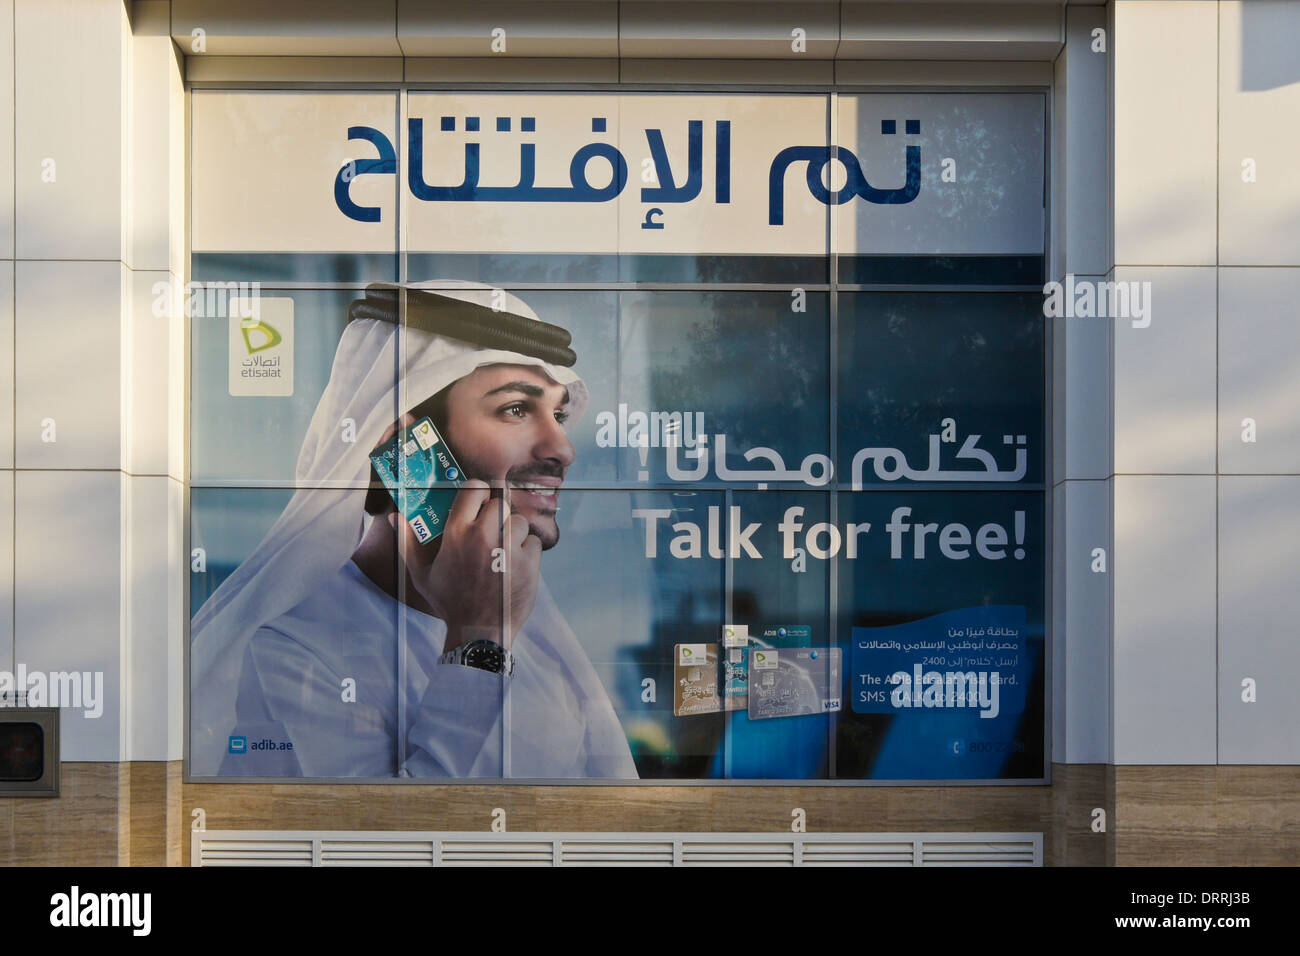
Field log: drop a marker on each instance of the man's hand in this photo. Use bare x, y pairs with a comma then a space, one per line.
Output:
406, 421
458, 581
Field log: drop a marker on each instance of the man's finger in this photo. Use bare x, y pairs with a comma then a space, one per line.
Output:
516, 529
468, 503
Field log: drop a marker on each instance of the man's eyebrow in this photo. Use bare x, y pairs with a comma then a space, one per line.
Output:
527, 388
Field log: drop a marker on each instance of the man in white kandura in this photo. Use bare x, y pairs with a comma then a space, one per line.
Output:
343, 648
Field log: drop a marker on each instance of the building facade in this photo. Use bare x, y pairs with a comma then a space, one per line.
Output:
1133, 154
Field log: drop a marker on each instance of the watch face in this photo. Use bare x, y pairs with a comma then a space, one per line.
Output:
485, 655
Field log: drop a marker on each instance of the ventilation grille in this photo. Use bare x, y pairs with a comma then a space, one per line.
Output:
251, 849
947, 852
396, 848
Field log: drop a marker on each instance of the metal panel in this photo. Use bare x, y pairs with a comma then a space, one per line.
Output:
460, 28
286, 28
941, 31
709, 29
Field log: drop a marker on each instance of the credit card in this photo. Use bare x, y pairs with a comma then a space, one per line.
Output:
735, 679
695, 679
738, 639
421, 474
791, 682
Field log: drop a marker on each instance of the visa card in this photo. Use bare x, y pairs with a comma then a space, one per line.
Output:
419, 471
790, 682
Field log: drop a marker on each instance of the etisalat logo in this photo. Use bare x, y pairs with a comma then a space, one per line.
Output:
259, 335
77, 909
673, 187
260, 357
82, 690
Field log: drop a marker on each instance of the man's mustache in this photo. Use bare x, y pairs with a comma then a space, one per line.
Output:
538, 470
526, 473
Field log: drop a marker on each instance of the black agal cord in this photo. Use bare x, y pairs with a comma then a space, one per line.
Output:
430, 311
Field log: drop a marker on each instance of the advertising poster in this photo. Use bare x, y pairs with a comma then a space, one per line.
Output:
617, 437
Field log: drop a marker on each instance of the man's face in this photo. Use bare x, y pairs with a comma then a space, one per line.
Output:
505, 424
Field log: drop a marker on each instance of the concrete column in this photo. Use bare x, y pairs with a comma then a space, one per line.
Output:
1083, 482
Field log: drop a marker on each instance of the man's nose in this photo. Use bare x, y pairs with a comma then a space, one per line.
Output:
554, 443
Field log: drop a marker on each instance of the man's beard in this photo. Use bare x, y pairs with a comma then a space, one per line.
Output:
549, 532
549, 537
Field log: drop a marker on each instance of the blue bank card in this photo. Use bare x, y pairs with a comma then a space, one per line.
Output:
422, 475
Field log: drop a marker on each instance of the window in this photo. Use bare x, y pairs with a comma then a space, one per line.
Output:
802, 528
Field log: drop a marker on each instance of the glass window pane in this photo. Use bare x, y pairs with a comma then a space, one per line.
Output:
923, 373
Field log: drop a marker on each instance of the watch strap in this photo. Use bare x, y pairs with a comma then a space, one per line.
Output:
482, 655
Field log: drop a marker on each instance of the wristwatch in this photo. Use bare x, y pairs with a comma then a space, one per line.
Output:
483, 654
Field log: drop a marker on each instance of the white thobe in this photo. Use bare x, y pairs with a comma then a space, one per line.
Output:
319, 697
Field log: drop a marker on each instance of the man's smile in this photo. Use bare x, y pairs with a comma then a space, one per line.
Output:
538, 493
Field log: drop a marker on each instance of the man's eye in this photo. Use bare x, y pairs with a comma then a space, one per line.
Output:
517, 410
561, 417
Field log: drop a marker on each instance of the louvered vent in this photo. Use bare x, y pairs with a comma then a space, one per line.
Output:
946, 852
632, 852
395, 848
701, 850
473, 849
398, 852
251, 848
862, 852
